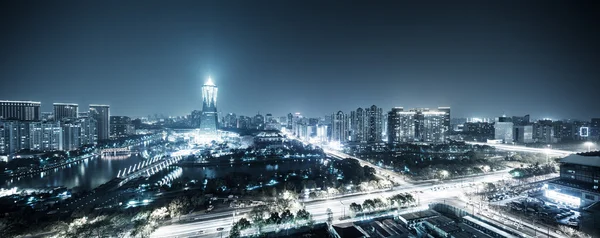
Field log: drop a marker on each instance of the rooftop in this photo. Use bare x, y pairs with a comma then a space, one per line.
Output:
587, 159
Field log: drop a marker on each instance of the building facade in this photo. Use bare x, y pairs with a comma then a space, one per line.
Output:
20, 110
579, 181
339, 127
209, 118
121, 126
101, 114
65, 111
503, 129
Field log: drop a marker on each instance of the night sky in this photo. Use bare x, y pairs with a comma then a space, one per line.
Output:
141, 57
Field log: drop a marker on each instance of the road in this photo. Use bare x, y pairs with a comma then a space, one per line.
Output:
206, 225
506, 147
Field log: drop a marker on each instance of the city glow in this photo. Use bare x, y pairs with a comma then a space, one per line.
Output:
564, 198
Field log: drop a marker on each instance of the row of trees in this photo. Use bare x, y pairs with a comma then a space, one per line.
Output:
398, 200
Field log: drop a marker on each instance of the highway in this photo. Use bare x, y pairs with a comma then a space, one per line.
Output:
506, 147
206, 225
219, 223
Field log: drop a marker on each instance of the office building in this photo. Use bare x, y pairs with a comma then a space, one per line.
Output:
523, 133
209, 118
579, 181
339, 127
65, 111
543, 132
121, 126
20, 110
101, 114
520, 121
503, 129
479, 129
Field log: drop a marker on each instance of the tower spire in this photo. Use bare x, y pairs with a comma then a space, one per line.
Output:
209, 82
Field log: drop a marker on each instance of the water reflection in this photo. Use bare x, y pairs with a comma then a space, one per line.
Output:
84, 175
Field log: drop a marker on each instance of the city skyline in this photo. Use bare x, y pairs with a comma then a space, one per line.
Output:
481, 60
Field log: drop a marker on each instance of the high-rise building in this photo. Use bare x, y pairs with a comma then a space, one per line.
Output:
209, 120
543, 132
101, 114
230, 120
339, 127
30, 135
418, 124
375, 126
20, 110
358, 125
121, 126
65, 111
595, 129
503, 129
47, 116
433, 126
521, 121
71, 135
447, 119
89, 131
523, 133
258, 122
290, 120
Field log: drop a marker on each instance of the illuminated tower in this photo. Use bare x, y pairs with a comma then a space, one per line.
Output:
209, 118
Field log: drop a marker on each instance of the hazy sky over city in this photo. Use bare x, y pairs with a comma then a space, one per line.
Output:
482, 58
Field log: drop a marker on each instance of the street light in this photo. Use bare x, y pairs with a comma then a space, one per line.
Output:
589, 145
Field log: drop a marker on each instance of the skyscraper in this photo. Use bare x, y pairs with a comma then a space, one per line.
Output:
65, 111
358, 125
209, 119
101, 113
339, 127
20, 110
374, 124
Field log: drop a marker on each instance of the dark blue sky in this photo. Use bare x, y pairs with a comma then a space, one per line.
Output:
314, 57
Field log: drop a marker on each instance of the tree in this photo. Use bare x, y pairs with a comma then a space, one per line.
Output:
378, 203
287, 216
356, 208
258, 213
243, 223
274, 218
303, 215
329, 215
198, 201
368, 204
178, 206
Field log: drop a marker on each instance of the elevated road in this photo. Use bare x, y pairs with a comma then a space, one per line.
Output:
519, 148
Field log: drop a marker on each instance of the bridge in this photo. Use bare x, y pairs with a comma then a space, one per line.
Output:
115, 152
148, 167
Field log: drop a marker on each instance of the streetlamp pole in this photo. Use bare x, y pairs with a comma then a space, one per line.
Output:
344, 210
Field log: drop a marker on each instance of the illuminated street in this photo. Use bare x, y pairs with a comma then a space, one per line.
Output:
210, 222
